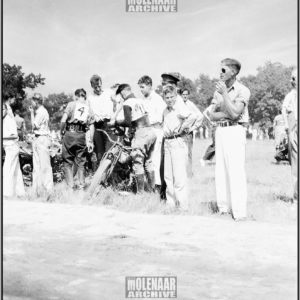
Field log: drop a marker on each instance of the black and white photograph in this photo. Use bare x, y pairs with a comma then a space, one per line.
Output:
149, 149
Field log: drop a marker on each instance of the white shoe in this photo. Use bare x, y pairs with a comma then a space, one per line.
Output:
202, 162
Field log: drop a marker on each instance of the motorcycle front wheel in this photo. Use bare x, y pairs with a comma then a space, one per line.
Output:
98, 179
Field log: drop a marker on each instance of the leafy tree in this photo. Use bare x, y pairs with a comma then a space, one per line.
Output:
15, 81
268, 89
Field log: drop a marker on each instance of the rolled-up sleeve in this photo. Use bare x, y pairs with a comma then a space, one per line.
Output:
243, 96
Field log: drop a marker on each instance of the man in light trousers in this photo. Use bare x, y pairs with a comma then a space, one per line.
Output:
232, 98
42, 177
154, 106
177, 122
12, 175
290, 116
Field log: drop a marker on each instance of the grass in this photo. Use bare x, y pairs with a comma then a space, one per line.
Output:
269, 189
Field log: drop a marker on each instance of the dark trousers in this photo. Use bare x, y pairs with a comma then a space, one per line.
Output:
210, 152
101, 141
74, 149
163, 187
20, 134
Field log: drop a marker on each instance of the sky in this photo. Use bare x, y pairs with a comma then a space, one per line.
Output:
68, 41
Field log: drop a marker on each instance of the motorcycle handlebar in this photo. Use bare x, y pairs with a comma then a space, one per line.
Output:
114, 142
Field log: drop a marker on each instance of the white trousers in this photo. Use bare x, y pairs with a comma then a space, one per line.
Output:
12, 176
231, 184
156, 155
176, 158
42, 176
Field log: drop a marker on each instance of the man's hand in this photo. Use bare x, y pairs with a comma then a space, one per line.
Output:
286, 127
90, 147
31, 109
221, 87
112, 122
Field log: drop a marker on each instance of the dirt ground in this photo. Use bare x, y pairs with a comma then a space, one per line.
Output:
59, 251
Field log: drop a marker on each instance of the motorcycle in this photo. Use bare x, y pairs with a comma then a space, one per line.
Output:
26, 161
115, 169
282, 154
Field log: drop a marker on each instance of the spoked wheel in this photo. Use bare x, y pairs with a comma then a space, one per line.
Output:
99, 178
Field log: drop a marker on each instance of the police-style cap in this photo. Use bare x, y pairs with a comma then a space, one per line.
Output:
122, 87
37, 96
171, 77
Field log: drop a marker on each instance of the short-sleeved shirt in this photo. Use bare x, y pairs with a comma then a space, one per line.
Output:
237, 93
290, 102
174, 117
192, 107
9, 129
102, 105
41, 121
279, 121
154, 105
79, 112
137, 108
20, 122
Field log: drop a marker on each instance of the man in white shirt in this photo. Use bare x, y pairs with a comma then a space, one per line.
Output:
12, 176
154, 106
42, 177
178, 121
102, 104
290, 116
232, 100
190, 136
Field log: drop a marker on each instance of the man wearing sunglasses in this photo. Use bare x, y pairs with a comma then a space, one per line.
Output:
190, 136
290, 116
42, 177
231, 114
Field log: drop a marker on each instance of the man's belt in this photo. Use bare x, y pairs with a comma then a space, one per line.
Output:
175, 136
76, 127
228, 123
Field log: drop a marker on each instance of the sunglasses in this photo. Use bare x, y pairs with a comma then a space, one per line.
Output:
223, 70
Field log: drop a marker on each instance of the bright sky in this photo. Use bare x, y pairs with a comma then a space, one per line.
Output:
68, 41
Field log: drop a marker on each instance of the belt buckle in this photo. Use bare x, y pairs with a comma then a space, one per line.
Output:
72, 127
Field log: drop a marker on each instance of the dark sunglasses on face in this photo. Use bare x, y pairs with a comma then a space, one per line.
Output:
223, 70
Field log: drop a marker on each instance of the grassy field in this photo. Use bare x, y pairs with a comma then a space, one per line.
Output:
269, 189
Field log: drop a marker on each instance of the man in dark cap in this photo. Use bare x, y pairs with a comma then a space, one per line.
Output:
136, 118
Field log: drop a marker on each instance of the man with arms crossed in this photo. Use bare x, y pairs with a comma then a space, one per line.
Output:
178, 120
233, 98
154, 106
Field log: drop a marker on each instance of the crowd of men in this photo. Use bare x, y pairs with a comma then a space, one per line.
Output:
160, 129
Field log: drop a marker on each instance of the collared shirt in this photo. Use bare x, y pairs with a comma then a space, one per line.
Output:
20, 122
279, 121
177, 118
237, 93
102, 105
290, 102
154, 106
41, 121
9, 129
79, 112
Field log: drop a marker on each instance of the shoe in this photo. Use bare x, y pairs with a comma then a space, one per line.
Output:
202, 162
240, 219
224, 213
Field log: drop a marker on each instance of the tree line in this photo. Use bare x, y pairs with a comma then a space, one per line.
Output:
268, 89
